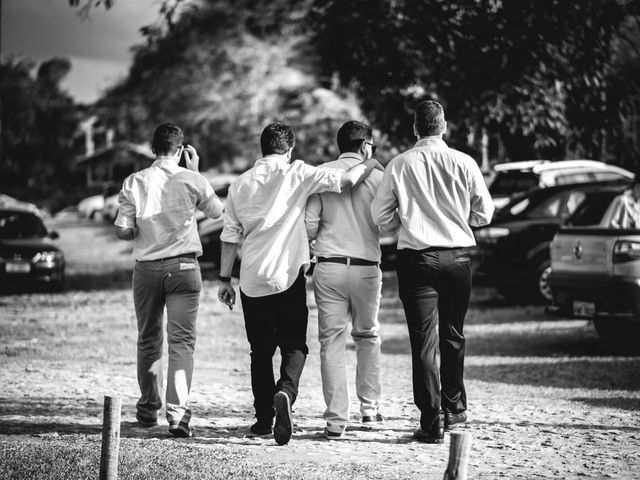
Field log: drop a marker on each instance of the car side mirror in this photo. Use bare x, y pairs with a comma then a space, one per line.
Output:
54, 235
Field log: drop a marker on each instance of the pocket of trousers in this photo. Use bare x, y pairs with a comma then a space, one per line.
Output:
178, 280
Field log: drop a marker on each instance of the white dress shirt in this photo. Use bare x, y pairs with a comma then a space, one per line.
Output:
439, 193
160, 201
265, 212
341, 223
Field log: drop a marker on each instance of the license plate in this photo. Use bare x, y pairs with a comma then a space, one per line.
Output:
18, 267
584, 309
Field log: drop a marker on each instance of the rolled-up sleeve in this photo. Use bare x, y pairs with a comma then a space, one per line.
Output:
383, 207
208, 202
318, 180
232, 232
126, 217
482, 207
312, 216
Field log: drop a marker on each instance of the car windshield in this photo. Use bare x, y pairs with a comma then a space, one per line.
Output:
508, 183
20, 225
592, 209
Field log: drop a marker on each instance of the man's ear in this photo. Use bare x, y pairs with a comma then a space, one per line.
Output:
444, 129
289, 153
415, 131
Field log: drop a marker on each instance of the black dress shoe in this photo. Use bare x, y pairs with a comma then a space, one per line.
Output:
283, 427
261, 429
433, 434
451, 419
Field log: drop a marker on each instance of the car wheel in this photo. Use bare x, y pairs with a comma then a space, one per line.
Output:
543, 289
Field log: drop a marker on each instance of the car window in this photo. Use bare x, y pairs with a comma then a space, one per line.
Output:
573, 201
592, 209
581, 177
549, 208
508, 183
604, 176
21, 225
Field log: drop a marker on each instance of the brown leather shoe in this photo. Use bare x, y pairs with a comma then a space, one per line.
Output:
451, 419
434, 434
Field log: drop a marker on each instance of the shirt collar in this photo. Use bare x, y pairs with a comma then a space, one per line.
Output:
165, 161
434, 140
351, 156
275, 157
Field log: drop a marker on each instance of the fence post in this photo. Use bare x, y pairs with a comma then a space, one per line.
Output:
110, 438
458, 456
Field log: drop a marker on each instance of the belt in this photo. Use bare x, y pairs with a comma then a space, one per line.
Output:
182, 255
346, 260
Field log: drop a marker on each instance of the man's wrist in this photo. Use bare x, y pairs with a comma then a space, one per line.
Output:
224, 278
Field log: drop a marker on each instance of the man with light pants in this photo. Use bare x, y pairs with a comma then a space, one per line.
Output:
347, 284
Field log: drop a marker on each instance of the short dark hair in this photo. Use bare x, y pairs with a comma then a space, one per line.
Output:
277, 138
429, 118
352, 134
167, 139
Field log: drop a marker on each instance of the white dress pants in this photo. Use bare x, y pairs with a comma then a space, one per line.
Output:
348, 296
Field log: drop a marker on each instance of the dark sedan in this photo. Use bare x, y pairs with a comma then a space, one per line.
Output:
27, 254
512, 252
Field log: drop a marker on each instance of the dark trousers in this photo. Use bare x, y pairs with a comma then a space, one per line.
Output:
278, 320
435, 285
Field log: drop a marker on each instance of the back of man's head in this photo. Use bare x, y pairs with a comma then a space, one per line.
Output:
277, 138
429, 118
167, 139
352, 134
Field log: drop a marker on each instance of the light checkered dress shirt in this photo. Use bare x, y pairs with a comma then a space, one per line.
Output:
439, 194
161, 201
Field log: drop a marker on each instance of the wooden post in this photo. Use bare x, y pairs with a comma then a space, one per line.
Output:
110, 438
458, 456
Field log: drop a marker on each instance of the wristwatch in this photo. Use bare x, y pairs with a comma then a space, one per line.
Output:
222, 278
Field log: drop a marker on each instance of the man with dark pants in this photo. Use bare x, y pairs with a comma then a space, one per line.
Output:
156, 208
265, 211
439, 193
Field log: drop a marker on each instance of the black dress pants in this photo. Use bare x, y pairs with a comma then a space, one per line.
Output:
278, 320
435, 285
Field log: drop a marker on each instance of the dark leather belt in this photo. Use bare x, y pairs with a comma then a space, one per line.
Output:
346, 260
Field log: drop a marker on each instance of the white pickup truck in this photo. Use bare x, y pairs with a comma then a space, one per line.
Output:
595, 270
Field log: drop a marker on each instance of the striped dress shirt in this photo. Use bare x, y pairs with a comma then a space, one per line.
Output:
439, 194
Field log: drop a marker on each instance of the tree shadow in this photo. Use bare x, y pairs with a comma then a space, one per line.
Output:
622, 403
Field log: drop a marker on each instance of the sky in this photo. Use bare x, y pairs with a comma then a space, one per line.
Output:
99, 48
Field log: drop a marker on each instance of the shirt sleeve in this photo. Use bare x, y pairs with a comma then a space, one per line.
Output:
383, 207
312, 216
482, 207
208, 202
232, 232
126, 217
318, 180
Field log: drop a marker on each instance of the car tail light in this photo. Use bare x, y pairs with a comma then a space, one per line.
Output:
626, 251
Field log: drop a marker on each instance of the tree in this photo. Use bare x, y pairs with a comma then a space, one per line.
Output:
38, 126
535, 73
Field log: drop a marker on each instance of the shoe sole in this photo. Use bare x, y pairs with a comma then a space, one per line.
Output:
282, 428
431, 440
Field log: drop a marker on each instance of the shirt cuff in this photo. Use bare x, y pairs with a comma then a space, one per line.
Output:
230, 237
124, 222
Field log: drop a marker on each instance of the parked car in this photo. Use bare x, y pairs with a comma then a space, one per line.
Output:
595, 270
515, 177
110, 209
91, 206
512, 252
27, 253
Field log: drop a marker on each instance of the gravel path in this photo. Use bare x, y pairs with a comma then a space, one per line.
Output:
546, 399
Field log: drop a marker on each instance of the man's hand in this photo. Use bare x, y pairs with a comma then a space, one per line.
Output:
191, 158
227, 295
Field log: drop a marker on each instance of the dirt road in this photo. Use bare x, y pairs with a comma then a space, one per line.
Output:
546, 399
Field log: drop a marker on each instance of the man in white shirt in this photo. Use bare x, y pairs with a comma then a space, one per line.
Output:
439, 193
347, 284
156, 208
265, 211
